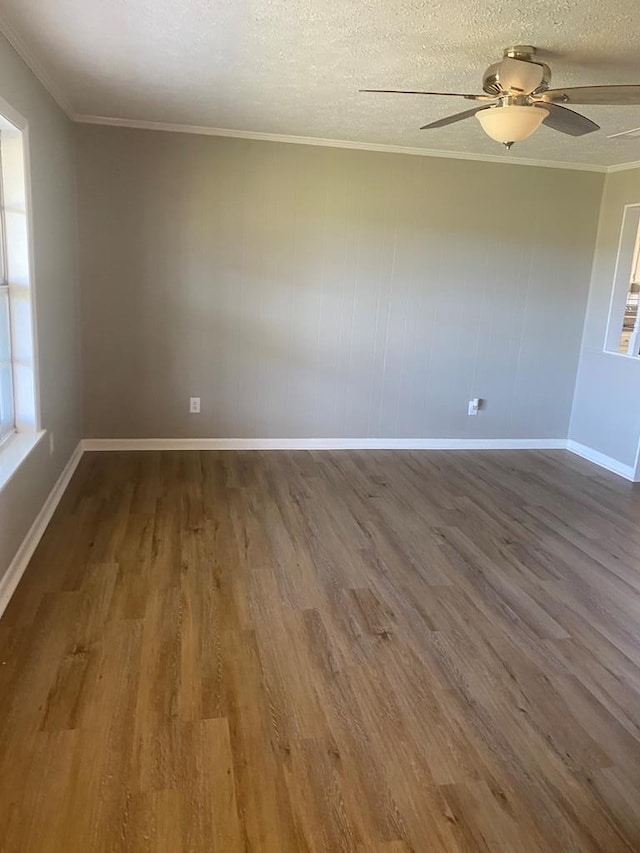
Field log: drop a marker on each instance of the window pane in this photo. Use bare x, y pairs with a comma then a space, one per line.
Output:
629, 341
6, 377
629, 320
17, 380
3, 267
5, 335
6, 400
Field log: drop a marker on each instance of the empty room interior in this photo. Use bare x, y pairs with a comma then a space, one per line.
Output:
319, 427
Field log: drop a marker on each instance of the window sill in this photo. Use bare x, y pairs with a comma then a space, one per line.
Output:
14, 451
621, 354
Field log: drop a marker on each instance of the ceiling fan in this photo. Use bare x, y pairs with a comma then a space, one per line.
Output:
518, 99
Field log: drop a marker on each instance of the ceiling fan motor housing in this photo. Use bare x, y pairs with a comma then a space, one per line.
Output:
497, 81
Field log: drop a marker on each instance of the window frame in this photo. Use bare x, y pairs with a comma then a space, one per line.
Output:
6, 433
627, 262
17, 443
10, 429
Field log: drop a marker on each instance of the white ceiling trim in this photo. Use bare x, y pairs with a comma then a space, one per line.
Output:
52, 88
622, 167
336, 143
35, 67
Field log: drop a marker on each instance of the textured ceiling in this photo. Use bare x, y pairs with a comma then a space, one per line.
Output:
294, 66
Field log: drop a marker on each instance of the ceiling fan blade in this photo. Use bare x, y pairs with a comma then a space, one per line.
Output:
519, 76
613, 95
443, 122
445, 94
566, 121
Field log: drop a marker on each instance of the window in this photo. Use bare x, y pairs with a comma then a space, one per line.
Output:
7, 411
18, 410
623, 332
629, 343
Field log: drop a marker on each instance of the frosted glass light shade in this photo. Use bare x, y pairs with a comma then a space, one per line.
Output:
511, 123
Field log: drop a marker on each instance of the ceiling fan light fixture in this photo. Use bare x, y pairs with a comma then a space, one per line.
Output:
511, 123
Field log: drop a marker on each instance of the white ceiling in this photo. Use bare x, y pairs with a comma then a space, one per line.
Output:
293, 67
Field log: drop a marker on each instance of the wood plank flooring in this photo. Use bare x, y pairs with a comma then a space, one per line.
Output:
332, 651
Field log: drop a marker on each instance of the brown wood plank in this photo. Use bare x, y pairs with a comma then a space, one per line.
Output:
327, 651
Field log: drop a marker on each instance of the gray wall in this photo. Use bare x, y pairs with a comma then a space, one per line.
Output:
606, 411
304, 291
52, 149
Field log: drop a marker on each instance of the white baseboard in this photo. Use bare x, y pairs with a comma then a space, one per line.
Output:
11, 578
9, 581
324, 444
626, 471
582, 450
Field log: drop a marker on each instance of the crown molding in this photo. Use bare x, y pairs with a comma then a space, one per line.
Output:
633, 132
52, 88
35, 67
333, 143
623, 167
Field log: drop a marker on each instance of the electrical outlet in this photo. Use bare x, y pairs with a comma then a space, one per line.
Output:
194, 405
474, 407
52, 444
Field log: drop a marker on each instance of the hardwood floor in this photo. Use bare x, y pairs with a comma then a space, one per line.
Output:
332, 651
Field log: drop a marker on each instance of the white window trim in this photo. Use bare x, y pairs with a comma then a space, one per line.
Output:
621, 278
16, 447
